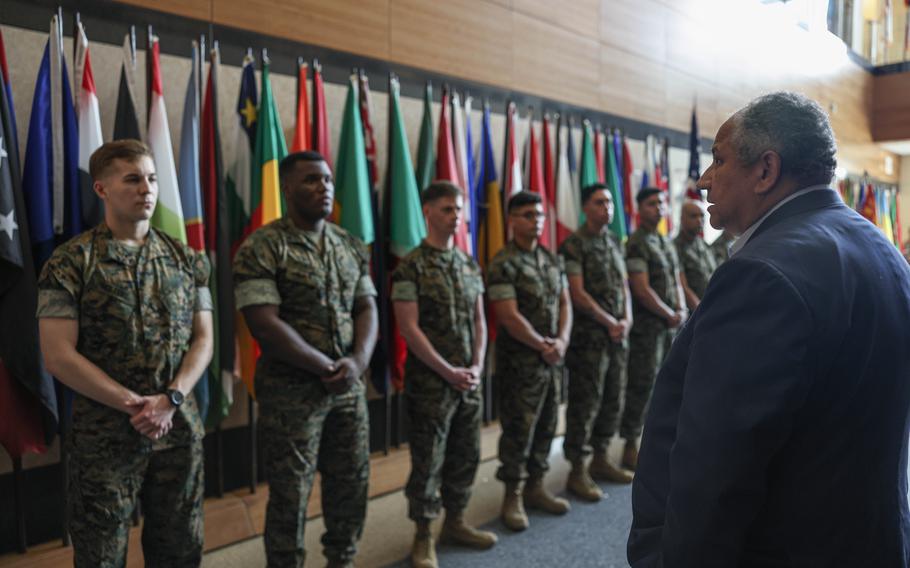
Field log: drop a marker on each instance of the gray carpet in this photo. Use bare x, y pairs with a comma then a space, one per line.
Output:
590, 535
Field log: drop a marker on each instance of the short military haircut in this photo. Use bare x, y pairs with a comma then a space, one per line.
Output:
795, 127
647, 192
588, 191
438, 190
290, 161
523, 198
128, 150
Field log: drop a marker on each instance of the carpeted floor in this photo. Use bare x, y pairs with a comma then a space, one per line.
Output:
590, 535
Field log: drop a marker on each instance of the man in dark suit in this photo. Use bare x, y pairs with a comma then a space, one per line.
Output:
778, 428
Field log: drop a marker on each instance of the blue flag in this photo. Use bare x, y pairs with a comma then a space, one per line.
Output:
474, 227
51, 187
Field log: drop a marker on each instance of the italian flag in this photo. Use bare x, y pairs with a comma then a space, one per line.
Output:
270, 149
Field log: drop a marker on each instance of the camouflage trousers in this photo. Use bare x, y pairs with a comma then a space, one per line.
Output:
528, 410
597, 373
104, 485
648, 346
445, 445
302, 429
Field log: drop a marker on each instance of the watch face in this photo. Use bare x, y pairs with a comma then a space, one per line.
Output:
176, 397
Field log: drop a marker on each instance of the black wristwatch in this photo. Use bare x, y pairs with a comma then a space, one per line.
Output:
175, 396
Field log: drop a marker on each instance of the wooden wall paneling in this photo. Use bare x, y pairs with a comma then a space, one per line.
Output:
691, 47
347, 25
465, 38
890, 107
578, 16
635, 26
197, 9
682, 91
631, 85
554, 62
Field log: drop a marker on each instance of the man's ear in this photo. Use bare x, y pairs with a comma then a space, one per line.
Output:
98, 187
769, 165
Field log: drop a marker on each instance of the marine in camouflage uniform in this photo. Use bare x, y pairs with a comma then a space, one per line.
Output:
314, 280
529, 387
647, 251
597, 364
697, 261
721, 247
135, 307
528, 384
444, 422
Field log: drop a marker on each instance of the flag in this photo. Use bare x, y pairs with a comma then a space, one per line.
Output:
50, 177
662, 178
126, 117
588, 173
446, 166
14, 136
352, 182
599, 159
238, 185
269, 150
471, 189
239, 171
168, 215
867, 201
405, 220
461, 166
549, 180
188, 174
218, 245
426, 159
898, 229
190, 188
492, 232
88, 117
28, 401
379, 363
536, 180
692, 192
491, 237
647, 172
511, 171
618, 224
628, 200
303, 133
567, 196
320, 140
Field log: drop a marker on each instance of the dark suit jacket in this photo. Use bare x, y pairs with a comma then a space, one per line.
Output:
778, 427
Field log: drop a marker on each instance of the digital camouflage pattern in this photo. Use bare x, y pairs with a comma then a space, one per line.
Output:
314, 280
135, 309
650, 338
597, 366
721, 248
697, 261
444, 423
528, 386
105, 483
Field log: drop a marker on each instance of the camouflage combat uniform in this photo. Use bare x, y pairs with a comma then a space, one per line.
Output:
444, 422
314, 280
697, 260
721, 248
597, 365
650, 338
528, 385
135, 309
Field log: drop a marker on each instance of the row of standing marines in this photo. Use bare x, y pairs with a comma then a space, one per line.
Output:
125, 321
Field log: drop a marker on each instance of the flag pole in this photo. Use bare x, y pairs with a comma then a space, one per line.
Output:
19, 499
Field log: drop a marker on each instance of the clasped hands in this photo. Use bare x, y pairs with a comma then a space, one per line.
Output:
553, 350
341, 375
150, 415
463, 378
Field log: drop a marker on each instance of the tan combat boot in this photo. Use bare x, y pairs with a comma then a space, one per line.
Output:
581, 484
423, 552
513, 511
601, 469
455, 530
630, 455
536, 496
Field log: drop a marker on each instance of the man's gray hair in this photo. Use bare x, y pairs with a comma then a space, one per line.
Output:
795, 127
